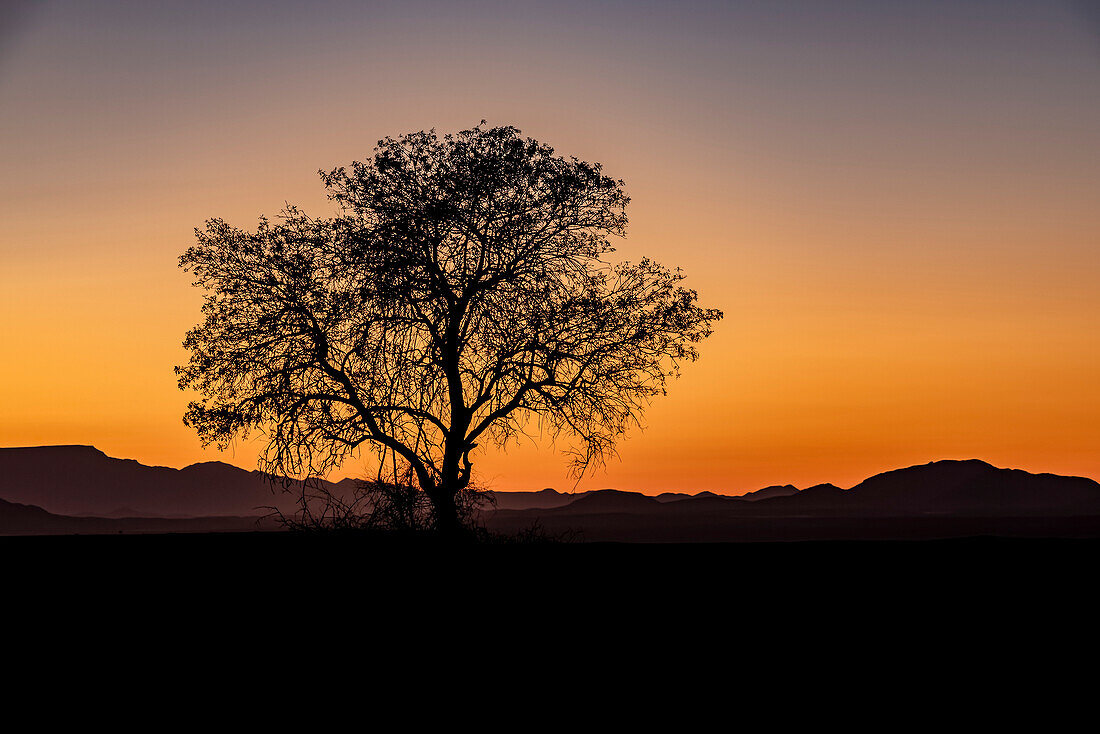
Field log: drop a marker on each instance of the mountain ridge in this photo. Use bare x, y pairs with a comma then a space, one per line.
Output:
75, 480
82, 481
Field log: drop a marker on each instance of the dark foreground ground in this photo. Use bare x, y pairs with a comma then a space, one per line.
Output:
728, 583
742, 628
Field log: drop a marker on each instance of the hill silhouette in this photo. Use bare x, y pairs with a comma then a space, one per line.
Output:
967, 487
784, 490
677, 496
82, 480
611, 500
548, 498
21, 519
540, 500
15, 517
949, 487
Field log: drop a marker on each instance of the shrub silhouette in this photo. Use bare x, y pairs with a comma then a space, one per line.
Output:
379, 507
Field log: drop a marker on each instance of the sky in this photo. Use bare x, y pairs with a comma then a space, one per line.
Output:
896, 205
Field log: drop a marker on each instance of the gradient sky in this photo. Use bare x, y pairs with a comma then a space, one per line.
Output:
896, 204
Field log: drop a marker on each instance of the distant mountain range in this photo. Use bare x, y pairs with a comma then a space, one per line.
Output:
20, 519
941, 487
82, 480
939, 499
954, 488
79, 489
549, 498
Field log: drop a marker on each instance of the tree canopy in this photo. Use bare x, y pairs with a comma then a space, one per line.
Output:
461, 295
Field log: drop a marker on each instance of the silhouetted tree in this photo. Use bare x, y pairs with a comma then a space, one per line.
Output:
460, 295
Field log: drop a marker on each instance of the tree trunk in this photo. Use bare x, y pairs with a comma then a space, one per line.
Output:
446, 514
447, 521
451, 482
